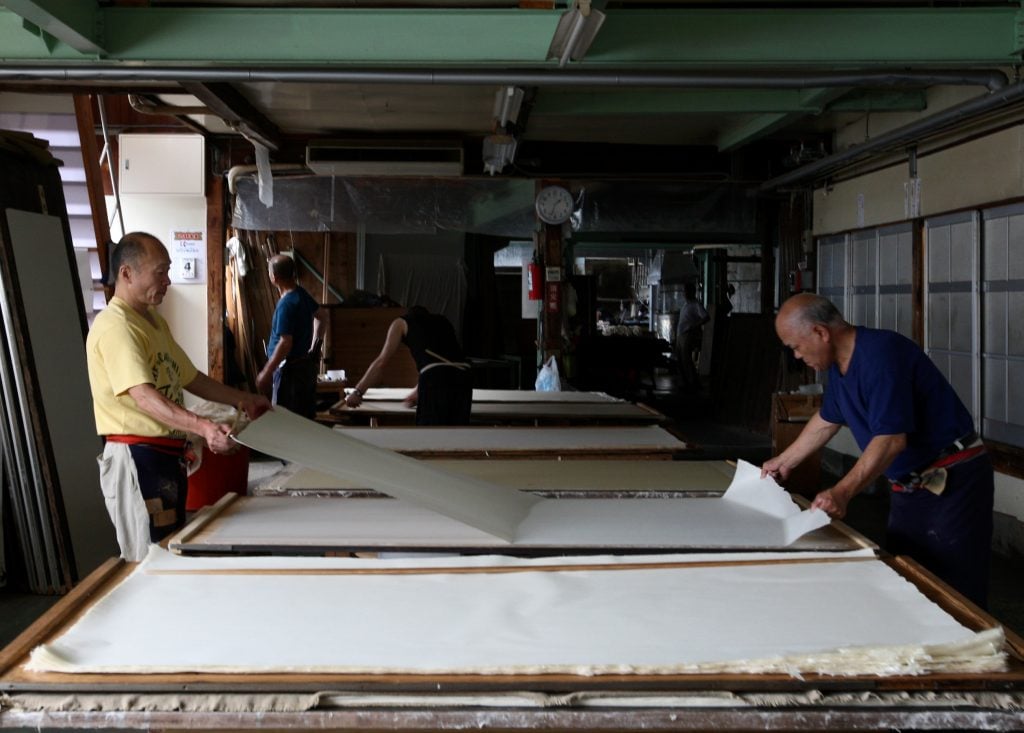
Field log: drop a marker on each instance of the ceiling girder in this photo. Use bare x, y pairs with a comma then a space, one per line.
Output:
740, 134
810, 36
813, 101
69, 22
230, 105
310, 35
656, 38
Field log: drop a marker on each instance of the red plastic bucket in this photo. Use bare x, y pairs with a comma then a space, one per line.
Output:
218, 475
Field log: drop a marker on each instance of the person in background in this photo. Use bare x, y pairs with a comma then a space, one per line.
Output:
444, 390
911, 427
689, 335
138, 375
725, 306
293, 352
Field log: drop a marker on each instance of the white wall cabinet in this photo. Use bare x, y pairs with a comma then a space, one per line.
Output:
162, 164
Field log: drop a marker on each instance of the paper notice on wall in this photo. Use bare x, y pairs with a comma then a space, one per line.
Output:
187, 248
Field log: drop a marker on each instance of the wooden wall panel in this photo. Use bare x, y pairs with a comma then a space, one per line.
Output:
357, 335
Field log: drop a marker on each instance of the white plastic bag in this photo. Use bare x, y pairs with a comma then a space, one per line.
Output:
547, 378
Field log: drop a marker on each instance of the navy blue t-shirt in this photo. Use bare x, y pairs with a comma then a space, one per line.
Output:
293, 317
892, 387
431, 332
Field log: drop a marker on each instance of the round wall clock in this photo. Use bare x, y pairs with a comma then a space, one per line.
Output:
554, 205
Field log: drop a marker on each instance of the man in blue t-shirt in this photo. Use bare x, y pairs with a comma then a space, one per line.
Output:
910, 426
290, 373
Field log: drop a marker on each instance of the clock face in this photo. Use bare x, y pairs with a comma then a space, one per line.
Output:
554, 205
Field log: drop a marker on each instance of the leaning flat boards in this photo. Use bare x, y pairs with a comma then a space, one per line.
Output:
663, 615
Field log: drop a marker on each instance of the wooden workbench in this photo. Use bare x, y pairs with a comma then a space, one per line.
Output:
545, 477
649, 442
397, 394
285, 525
389, 412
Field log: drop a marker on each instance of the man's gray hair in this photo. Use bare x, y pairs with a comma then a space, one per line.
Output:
283, 267
819, 310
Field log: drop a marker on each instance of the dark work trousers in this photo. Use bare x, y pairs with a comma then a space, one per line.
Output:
162, 478
445, 396
949, 534
295, 385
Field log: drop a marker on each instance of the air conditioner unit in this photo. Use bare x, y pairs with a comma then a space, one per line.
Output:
339, 158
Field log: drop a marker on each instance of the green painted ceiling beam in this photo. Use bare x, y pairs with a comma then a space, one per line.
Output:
70, 22
806, 36
321, 36
653, 39
551, 102
814, 100
740, 134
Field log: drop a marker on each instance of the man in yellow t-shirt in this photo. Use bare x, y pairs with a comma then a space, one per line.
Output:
138, 375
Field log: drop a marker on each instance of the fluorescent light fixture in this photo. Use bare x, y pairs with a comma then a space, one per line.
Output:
575, 32
498, 151
507, 102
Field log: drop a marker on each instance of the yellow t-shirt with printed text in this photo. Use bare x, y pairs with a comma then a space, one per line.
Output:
124, 350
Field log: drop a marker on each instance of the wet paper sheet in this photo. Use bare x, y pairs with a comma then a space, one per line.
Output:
588, 616
286, 435
753, 513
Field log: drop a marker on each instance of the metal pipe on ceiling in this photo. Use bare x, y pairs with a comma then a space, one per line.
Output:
991, 79
901, 136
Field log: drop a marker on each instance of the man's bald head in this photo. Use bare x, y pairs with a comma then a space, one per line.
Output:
814, 329
805, 310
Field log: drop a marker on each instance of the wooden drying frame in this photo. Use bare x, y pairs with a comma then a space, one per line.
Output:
835, 537
14, 679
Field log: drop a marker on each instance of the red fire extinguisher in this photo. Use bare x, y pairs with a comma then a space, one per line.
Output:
534, 280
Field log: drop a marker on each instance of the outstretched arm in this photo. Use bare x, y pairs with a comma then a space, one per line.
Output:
319, 325
252, 404
396, 332
815, 434
265, 379
877, 456
152, 402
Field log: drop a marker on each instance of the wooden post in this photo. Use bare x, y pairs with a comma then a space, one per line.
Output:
552, 306
215, 274
94, 184
324, 295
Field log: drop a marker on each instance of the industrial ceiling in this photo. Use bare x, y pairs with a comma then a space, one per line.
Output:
617, 88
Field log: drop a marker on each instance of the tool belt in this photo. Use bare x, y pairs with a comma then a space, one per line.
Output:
959, 451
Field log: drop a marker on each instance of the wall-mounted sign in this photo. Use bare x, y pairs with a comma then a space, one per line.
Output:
187, 248
553, 297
